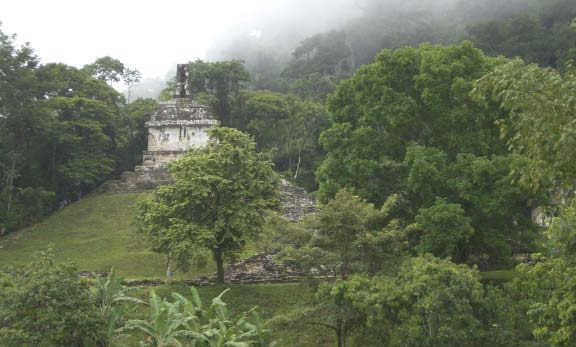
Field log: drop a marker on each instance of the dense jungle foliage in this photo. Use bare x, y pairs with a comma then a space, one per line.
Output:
430, 140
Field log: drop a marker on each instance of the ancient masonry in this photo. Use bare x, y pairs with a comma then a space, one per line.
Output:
176, 127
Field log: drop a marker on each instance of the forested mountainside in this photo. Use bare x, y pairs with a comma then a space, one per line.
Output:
436, 138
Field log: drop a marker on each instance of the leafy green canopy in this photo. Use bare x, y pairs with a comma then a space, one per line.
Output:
47, 305
408, 95
407, 125
428, 302
285, 129
217, 202
541, 126
62, 133
445, 230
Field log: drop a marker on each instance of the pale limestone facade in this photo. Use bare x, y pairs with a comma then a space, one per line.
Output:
176, 127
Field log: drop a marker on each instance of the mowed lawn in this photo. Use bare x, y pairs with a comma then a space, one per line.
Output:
95, 233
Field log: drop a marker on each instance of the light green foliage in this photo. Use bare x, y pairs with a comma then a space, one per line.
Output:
430, 302
275, 302
347, 235
294, 243
541, 105
286, 129
111, 299
185, 322
339, 224
217, 202
562, 233
47, 305
382, 250
444, 228
544, 293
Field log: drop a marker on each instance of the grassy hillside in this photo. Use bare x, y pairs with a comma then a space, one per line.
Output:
95, 233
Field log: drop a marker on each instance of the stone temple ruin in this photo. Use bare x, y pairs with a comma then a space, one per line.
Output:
176, 127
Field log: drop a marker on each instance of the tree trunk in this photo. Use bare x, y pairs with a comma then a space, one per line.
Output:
129, 90
168, 268
339, 333
297, 167
10, 183
218, 258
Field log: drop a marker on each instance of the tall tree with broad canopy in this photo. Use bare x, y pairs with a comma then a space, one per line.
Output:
410, 95
217, 202
407, 125
429, 302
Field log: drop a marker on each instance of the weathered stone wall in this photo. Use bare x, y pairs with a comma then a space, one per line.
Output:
139, 181
158, 160
177, 138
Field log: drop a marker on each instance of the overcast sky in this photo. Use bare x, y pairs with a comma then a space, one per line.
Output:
150, 36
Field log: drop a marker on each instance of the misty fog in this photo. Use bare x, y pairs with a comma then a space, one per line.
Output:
266, 44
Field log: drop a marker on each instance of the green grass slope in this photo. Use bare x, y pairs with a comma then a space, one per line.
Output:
95, 233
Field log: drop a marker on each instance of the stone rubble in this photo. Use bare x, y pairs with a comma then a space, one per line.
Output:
297, 203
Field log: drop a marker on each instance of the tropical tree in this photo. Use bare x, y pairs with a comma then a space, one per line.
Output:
111, 299
339, 224
541, 105
217, 202
47, 305
187, 322
410, 95
444, 230
430, 302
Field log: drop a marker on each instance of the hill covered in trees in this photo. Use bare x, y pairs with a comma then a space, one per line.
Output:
428, 161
